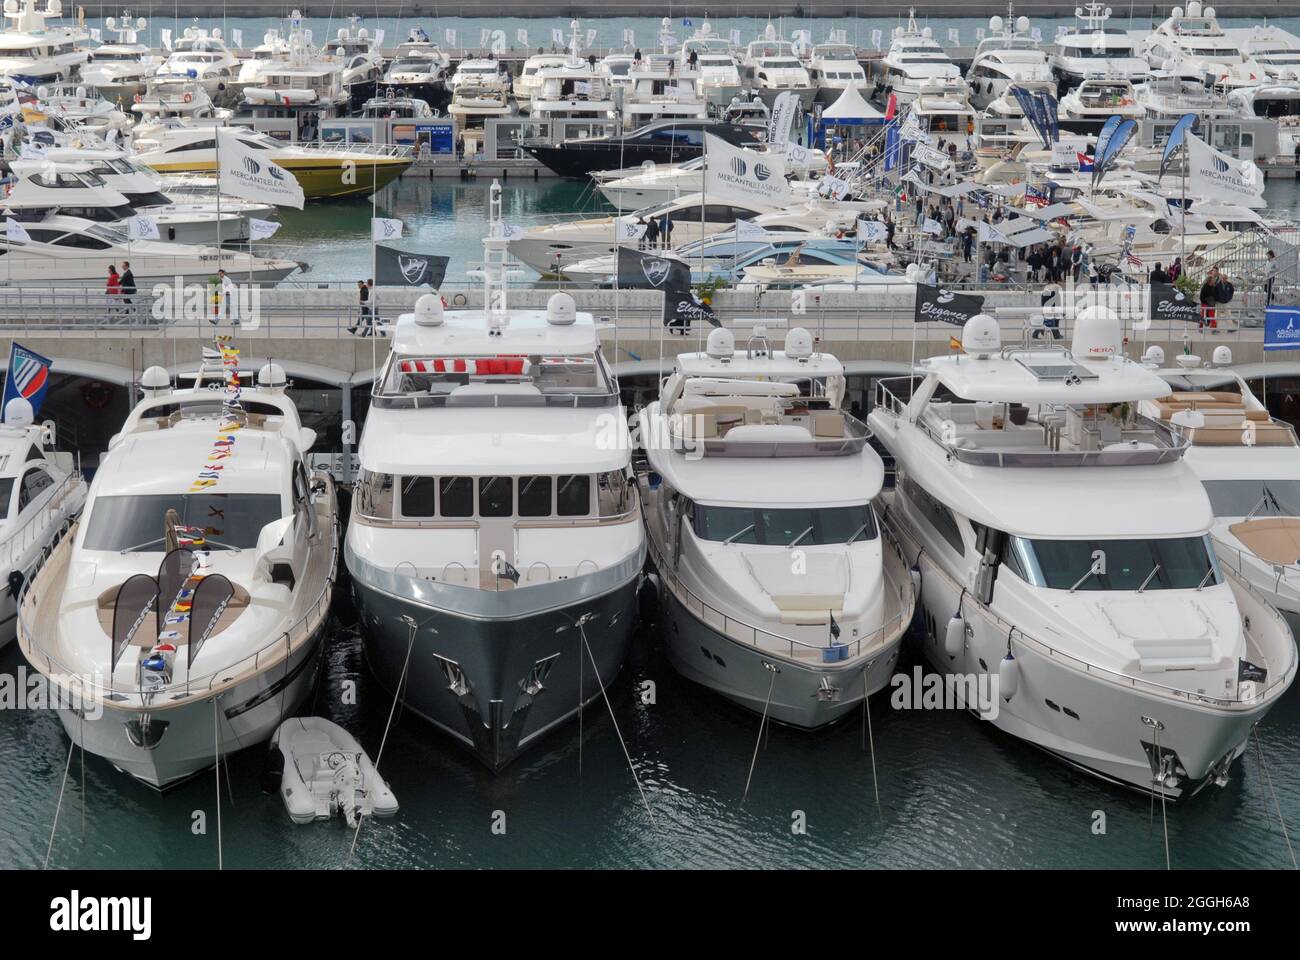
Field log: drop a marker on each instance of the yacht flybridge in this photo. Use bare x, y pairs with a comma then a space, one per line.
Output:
915, 61
1009, 56
496, 543
34, 52
1064, 548
782, 590
118, 69
184, 612
772, 67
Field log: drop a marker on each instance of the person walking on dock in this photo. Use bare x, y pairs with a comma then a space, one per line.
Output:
113, 291
666, 232
365, 320
128, 285
651, 238
1270, 274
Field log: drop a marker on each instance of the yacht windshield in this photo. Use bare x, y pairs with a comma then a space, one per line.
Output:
130, 523
1179, 563
781, 527
1260, 498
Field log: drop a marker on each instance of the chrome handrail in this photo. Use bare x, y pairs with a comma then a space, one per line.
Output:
65, 486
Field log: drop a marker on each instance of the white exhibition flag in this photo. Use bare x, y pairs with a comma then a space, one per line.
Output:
141, 227
384, 229
629, 38
629, 230
557, 36
237, 38
834, 187
512, 231
749, 230
14, 231
797, 156
261, 229
522, 37
379, 39
932, 226
250, 174
165, 38
450, 36
781, 120
95, 34
736, 175
1211, 173
872, 231
876, 36
591, 39
988, 233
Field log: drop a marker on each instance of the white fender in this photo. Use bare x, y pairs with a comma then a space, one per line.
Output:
954, 640
1008, 676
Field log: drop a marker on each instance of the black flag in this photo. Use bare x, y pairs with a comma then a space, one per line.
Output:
935, 303
1170, 303
1248, 671
645, 271
211, 597
397, 268
136, 597
174, 570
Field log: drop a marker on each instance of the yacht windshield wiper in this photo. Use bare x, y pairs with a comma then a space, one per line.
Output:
224, 546
1154, 571
141, 546
1078, 583
856, 533
738, 533
1205, 579
798, 538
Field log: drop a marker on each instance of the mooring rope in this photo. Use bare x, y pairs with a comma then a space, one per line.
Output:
762, 723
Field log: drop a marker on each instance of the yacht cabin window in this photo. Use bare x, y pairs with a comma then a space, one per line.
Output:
1170, 563
6, 494
463, 498
809, 526
496, 496
938, 516
138, 522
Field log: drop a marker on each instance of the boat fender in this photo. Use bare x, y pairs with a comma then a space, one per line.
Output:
954, 638
915, 573
1008, 676
15, 583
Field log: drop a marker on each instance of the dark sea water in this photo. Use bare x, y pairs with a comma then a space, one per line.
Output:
953, 793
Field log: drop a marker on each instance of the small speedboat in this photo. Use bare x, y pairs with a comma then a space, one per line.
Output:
322, 770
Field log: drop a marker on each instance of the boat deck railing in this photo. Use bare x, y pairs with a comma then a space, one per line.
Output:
33, 529
1145, 442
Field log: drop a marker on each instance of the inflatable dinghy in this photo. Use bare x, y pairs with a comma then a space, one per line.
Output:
321, 770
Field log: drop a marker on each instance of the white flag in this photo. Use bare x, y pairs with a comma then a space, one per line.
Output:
261, 229
250, 174
743, 176
1037, 34
483, 37
749, 230
932, 226
142, 228
876, 36
735, 38
591, 38
979, 33
834, 187
796, 155
988, 233
629, 38
450, 36
1061, 31
628, 230
1211, 173
930, 156
237, 38
872, 231
781, 120
557, 36
95, 34
379, 39
165, 38
14, 231
383, 229
954, 36
521, 36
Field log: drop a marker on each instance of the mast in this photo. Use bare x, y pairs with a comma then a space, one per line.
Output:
495, 276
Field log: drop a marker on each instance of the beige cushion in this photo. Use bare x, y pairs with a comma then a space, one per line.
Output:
830, 424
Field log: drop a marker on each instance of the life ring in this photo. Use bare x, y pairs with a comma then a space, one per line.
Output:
96, 394
138, 98
188, 97
459, 300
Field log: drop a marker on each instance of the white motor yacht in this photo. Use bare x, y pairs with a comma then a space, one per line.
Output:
1091, 49
183, 615
200, 57
782, 590
715, 61
496, 543
41, 494
1197, 41
915, 61
662, 90
419, 69
834, 67
771, 67
1008, 57
117, 69
1069, 584
1098, 99
34, 52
